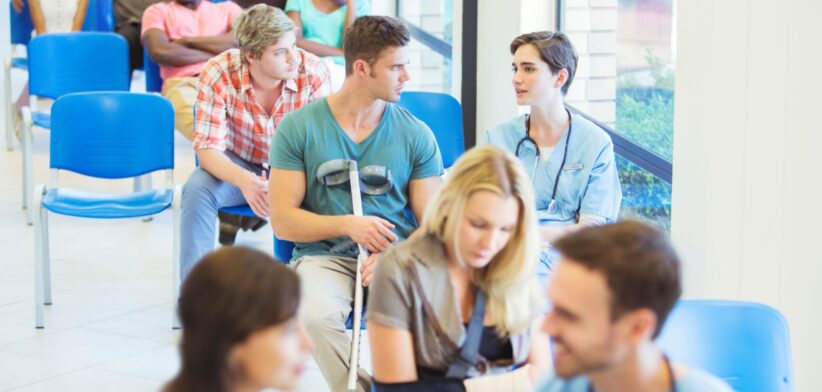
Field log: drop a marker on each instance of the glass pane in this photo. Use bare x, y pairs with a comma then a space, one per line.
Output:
429, 70
626, 72
645, 73
644, 196
433, 16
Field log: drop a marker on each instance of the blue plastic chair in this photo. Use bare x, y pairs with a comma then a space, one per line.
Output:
746, 344
154, 83
99, 17
20, 27
61, 64
106, 135
443, 114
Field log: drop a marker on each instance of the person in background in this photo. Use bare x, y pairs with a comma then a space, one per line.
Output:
478, 238
569, 159
180, 36
242, 332
321, 25
128, 16
612, 290
244, 94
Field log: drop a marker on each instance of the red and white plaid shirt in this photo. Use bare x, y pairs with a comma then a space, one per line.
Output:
228, 116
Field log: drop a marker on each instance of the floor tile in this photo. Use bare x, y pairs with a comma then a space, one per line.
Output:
80, 346
18, 370
93, 380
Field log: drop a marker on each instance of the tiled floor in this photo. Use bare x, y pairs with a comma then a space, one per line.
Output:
110, 326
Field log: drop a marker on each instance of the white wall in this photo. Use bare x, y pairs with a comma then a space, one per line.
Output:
746, 186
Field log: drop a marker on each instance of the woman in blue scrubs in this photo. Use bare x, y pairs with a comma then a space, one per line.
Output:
569, 159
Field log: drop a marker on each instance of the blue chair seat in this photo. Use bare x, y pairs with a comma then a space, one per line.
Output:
20, 63
102, 206
41, 119
243, 210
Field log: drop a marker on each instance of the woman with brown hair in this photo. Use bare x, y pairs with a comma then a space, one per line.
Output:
241, 332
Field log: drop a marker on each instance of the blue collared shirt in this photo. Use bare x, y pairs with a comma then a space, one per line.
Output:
589, 183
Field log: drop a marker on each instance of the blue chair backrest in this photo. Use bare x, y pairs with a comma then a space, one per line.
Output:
99, 16
443, 114
746, 344
112, 134
20, 25
77, 62
154, 83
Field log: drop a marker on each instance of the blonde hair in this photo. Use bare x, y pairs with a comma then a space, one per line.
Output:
260, 26
510, 278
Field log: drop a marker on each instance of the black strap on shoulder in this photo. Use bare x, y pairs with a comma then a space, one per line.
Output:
470, 348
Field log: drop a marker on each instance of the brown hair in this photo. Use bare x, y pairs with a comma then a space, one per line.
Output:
639, 264
230, 294
555, 49
368, 36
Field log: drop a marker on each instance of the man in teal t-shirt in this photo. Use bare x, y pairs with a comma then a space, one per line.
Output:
400, 169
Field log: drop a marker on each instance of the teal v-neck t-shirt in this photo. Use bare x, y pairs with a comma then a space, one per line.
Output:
401, 143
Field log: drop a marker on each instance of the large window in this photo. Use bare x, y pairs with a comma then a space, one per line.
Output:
626, 81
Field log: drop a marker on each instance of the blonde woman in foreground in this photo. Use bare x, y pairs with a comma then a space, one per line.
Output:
478, 245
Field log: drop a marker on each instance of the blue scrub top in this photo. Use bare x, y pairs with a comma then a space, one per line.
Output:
589, 183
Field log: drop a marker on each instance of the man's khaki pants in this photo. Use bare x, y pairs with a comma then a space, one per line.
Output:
182, 92
328, 295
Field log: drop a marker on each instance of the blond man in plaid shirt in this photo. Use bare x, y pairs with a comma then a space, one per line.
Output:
243, 95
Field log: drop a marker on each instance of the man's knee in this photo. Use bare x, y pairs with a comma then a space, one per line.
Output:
199, 188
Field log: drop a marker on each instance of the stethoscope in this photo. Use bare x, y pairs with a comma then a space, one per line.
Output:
552, 205
667, 367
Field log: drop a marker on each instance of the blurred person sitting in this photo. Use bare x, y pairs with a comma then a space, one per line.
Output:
241, 331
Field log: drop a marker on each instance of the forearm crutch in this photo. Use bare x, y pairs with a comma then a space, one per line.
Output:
354, 359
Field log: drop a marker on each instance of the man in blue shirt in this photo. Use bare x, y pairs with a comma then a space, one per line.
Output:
611, 293
400, 168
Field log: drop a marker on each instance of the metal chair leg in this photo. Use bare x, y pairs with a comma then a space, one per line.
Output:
27, 165
46, 246
39, 317
175, 257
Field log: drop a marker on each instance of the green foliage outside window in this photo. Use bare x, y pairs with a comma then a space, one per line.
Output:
645, 114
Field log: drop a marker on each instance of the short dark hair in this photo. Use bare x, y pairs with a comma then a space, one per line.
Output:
369, 35
555, 49
639, 264
230, 294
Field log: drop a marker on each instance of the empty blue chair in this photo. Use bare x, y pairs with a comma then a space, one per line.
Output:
443, 114
746, 344
99, 17
154, 83
106, 135
20, 27
60, 64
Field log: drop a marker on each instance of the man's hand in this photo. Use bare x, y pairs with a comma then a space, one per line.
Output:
371, 232
255, 191
17, 5
369, 265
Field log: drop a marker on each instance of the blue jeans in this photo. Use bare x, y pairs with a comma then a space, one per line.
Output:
203, 195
